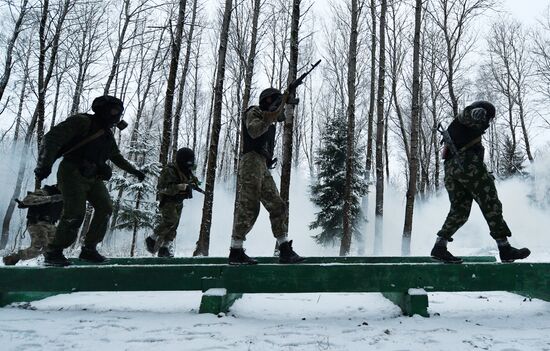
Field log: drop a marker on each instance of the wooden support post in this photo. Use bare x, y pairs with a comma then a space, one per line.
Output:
414, 301
217, 300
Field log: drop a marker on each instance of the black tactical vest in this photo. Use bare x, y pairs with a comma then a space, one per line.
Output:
462, 135
264, 144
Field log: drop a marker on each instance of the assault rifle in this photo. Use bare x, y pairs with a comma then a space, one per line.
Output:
449, 143
195, 185
292, 100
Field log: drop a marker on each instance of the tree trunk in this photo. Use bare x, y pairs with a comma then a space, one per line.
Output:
203, 244
415, 112
290, 109
35, 120
41, 64
350, 148
10, 47
170, 85
121, 41
183, 79
370, 122
23, 94
379, 211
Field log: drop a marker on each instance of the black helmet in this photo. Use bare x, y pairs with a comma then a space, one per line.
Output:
269, 92
109, 108
185, 158
486, 105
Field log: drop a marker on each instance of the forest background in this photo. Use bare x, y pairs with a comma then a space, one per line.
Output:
187, 69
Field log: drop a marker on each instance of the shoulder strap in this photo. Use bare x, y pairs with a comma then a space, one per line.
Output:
85, 141
470, 144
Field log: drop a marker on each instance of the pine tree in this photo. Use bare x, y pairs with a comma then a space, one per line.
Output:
511, 163
138, 210
327, 192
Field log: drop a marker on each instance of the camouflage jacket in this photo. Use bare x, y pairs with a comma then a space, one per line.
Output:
258, 133
169, 178
62, 137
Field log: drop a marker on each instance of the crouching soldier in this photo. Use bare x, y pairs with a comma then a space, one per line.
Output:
86, 142
44, 208
467, 179
176, 183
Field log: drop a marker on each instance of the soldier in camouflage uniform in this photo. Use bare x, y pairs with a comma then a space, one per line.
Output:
255, 184
467, 179
86, 143
175, 184
44, 210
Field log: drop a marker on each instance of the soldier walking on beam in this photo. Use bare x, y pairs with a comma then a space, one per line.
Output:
255, 184
467, 179
176, 183
86, 143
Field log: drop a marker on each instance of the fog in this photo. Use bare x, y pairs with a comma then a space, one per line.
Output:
525, 202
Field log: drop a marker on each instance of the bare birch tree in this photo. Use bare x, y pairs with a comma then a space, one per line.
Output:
203, 243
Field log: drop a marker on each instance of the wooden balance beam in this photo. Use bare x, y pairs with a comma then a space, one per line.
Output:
404, 280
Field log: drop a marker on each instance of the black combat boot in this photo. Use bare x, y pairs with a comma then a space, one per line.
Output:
90, 254
508, 253
165, 251
11, 260
287, 255
440, 253
55, 258
239, 257
150, 244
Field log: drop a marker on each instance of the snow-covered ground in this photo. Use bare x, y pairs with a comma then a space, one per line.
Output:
169, 321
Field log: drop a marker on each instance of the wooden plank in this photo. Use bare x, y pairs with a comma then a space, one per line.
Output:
275, 260
106, 278
387, 277
276, 278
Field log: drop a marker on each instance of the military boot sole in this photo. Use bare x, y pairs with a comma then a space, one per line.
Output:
291, 260
439, 259
57, 264
242, 263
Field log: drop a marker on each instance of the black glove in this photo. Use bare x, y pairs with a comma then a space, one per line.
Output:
42, 172
140, 175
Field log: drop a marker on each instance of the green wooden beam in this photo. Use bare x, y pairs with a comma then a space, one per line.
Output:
387, 277
106, 278
276, 278
274, 260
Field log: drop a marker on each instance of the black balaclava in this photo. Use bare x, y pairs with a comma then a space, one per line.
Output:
185, 159
109, 110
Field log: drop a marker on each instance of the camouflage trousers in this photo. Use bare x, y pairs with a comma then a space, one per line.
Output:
254, 186
473, 182
76, 190
41, 234
166, 230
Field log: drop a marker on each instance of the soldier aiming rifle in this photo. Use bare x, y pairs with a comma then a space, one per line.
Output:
255, 184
